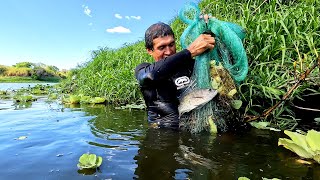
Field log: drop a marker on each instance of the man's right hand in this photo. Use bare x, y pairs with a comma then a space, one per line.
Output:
201, 44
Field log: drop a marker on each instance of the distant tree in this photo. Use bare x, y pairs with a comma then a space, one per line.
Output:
53, 68
3, 69
24, 64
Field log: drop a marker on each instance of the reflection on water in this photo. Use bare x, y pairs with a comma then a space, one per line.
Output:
131, 150
165, 154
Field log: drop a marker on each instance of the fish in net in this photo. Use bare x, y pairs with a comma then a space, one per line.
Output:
217, 70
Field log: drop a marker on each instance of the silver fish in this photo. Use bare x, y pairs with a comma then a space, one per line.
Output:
195, 98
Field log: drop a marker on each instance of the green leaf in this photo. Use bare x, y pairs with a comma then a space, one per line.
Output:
236, 104
243, 178
317, 158
99, 161
299, 139
92, 158
74, 99
97, 100
313, 140
87, 161
260, 125
292, 146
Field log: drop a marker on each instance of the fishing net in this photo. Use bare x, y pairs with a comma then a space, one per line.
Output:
222, 68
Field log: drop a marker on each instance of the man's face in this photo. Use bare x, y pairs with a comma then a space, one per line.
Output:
162, 47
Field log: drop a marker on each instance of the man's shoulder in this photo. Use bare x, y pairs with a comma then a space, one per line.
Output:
142, 65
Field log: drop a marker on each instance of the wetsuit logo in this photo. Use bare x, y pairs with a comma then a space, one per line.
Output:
181, 82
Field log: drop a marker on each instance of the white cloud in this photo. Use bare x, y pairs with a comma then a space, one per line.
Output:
118, 16
136, 17
128, 17
86, 10
118, 29
90, 24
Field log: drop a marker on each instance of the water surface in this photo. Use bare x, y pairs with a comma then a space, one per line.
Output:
15, 86
57, 135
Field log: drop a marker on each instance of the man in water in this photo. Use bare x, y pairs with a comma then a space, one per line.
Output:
163, 81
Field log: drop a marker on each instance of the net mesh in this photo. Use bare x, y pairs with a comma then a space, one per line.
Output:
221, 68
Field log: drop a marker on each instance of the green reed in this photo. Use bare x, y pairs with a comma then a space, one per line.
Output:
283, 39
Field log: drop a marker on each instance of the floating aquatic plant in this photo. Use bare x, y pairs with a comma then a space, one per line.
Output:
24, 98
305, 145
82, 99
89, 161
263, 125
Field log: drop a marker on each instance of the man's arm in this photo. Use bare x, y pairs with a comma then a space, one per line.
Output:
163, 69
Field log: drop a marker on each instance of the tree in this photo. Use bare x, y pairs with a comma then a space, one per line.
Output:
24, 64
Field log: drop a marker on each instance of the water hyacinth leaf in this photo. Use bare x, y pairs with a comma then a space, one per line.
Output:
292, 146
313, 140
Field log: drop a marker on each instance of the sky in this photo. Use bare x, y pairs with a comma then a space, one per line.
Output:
63, 33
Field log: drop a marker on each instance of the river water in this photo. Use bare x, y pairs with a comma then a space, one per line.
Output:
13, 86
53, 136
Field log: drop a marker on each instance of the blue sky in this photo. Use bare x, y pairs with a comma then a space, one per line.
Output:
64, 32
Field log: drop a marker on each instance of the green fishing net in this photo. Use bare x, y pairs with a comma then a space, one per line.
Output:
223, 67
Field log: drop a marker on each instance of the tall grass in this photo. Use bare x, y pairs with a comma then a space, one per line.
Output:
111, 74
283, 39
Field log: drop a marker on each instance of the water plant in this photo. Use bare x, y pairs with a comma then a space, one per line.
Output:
82, 99
24, 98
89, 161
306, 145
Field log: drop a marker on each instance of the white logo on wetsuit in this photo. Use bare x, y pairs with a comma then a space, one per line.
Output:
182, 81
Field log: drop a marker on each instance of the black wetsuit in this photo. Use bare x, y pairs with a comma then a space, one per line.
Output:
161, 83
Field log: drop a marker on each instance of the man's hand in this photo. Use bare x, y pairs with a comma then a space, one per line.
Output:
201, 44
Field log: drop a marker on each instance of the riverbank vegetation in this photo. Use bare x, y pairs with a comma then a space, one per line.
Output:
282, 42
31, 72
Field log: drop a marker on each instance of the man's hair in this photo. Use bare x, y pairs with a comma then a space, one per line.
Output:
156, 30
